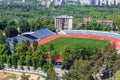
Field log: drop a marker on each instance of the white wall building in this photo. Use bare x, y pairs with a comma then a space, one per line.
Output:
107, 2
117, 2
46, 2
85, 2
57, 2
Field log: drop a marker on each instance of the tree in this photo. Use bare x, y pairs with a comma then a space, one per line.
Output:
48, 67
25, 77
9, 61
24, 25
117, 75
11, 31
51, 47
15, 41
28, 61
2, 39
15, 61
27, 43
80, 70
52, 76
1, 62
53, 56
4, 49
11, 23
35, 62
21, 48
3, 24
35, 44
117, 22
66, 58
21, 61
40, 55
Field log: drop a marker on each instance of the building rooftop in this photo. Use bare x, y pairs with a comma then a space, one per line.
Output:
64, 16
104, 21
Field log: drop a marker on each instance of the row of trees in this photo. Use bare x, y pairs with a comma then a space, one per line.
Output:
79, 61
33, 12
86, 62
24, 55
96, 26
11, 28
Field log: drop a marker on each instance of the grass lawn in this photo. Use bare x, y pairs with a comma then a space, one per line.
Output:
61, 43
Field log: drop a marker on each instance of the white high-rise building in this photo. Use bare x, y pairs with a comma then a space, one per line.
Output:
23, 1
111, 2
46, 2
103, 2
85, 2
107, 2
117, 2
57, 2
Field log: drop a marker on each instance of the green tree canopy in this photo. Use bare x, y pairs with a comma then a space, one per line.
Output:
11, 31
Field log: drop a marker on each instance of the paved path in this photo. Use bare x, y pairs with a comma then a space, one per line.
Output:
38, 71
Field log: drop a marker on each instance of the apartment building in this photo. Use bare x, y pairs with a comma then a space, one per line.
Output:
57, 2
63, 22
105, 22
85, 2
46, 2
107, 2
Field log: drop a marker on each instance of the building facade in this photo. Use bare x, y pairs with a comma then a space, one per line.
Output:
105, 22
46, 3
63, 22
107, 2
57, 2
86, 20
85, 2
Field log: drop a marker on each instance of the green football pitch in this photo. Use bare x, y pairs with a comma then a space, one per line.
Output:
61, 43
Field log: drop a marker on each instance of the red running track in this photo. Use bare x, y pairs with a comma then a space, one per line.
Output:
48, 39
114, 41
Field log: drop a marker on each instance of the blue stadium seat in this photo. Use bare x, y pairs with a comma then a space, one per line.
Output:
110, 34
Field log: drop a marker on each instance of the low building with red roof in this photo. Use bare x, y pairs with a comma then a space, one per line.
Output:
105, 22
58, 59
86, 20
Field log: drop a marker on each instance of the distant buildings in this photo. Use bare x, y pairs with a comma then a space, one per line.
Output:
46, 2
85, 2
57, 2
74, 2
63, 22
86, 20
95, 2
107, 2
102, 22
105, 22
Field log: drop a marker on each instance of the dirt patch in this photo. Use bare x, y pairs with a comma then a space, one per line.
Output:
9, 75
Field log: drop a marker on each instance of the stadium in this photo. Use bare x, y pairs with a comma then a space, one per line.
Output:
44, 36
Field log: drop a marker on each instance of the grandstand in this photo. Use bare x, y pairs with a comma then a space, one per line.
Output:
110, 34
31, 36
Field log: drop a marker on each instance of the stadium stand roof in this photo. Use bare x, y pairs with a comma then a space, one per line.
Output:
31, 36
110, 34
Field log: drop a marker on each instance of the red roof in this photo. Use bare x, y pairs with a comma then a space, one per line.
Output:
48, 56
58, 58
104, 21
87, 20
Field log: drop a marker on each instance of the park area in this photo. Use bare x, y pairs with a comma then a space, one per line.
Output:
61, 43
8, 75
